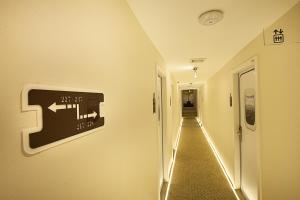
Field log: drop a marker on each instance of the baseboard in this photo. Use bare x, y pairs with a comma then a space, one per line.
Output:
170, 167
163, 190
171, 162
173, 159
178, 135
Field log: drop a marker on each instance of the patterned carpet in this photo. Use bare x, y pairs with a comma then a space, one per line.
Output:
197, 174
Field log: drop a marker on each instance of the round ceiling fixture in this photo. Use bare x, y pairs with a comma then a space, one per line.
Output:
211, 17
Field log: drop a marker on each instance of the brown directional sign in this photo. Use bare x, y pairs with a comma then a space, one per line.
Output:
65, 114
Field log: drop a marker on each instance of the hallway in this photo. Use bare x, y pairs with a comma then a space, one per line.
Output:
197, 174
150, 100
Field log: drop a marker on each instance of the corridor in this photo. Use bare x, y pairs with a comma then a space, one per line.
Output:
150, 100
197, 175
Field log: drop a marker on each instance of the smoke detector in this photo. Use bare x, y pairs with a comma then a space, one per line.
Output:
211, 17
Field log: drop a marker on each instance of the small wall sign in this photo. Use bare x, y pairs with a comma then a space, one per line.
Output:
278, 36
63, 114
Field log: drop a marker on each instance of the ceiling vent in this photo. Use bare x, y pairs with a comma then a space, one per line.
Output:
198, 60
210, 17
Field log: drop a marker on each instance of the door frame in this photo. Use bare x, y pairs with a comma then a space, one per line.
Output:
160, 73
160, 127
251, 63
196, 101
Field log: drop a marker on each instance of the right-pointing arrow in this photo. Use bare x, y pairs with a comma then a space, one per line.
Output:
94, 115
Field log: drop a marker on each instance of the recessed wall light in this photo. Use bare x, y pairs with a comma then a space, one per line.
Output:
210, 17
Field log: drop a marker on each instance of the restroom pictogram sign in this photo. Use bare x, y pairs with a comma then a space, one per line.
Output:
278, 36
62, 114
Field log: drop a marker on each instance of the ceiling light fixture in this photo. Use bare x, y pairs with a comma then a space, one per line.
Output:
210, 17
195, 71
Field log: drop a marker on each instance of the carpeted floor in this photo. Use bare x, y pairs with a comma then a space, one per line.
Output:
197, 174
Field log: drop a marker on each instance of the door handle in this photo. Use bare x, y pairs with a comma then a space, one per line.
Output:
240, 133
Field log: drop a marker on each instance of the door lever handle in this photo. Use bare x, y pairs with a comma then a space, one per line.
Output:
240, 133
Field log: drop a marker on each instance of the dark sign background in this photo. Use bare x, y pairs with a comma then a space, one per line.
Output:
65, 114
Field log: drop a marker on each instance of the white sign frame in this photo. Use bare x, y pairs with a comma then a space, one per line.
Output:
39, 116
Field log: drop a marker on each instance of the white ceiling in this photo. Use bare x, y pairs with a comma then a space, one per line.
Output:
173, 27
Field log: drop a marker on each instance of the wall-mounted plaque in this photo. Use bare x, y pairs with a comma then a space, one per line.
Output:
63, 114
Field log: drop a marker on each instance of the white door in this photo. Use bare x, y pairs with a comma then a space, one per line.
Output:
247, 85
160, 126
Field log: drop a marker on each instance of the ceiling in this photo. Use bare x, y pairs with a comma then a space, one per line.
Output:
173, 27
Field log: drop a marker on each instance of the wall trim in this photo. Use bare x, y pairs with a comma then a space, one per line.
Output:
178, 135
174, 159
171, 162
170, 167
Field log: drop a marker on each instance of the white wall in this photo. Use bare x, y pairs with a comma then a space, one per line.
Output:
81, 44
279, 95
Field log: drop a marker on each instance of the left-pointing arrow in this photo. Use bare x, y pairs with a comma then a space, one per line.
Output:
55, 107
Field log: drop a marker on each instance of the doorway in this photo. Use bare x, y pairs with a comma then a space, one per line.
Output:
247, 99
246, 130
189, 103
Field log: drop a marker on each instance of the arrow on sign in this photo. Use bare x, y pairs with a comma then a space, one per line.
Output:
55, 107
94, 115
